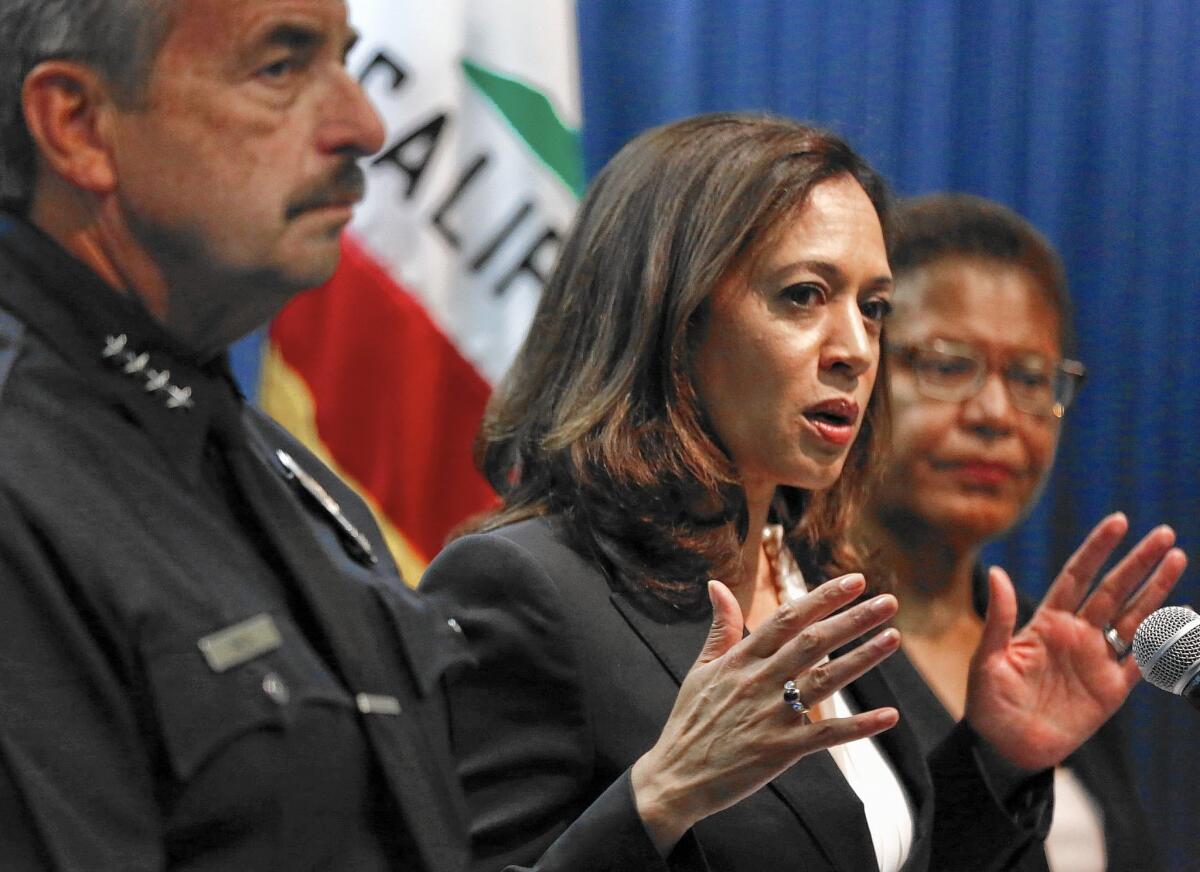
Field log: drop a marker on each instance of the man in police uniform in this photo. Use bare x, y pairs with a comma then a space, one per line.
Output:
207, 659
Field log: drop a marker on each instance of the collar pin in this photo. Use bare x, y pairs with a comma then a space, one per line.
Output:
156, 381
134, 365
179, 398
114, 345
116, 351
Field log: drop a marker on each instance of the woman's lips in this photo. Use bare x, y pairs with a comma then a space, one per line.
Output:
835, 421
984, 473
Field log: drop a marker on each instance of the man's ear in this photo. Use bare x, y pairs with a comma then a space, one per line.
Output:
66, 106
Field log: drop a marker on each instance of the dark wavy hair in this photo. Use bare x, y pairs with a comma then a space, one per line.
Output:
598, 420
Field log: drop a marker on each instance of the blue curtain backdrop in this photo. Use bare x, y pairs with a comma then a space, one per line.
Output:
1085, 118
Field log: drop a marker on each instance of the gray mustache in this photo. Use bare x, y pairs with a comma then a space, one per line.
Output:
348, 184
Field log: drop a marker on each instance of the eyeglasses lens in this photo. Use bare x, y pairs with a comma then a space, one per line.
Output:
956, 371
946, 375
1031, 384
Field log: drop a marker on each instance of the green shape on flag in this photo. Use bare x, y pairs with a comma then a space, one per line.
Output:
532, 116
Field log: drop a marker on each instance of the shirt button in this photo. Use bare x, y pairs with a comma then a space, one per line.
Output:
453, 625
274, 687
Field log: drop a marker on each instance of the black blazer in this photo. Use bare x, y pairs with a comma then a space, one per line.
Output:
577, 679
1101, 763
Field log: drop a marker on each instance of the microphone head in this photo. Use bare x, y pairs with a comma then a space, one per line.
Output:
1167, 647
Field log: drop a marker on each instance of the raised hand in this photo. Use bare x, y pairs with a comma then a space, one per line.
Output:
1038, 695
730, 732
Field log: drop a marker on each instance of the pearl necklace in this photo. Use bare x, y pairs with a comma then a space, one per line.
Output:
789, 580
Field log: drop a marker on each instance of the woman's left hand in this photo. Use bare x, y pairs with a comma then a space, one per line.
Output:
1038, 695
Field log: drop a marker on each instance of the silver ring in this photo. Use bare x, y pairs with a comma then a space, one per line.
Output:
791, 698
1120, 646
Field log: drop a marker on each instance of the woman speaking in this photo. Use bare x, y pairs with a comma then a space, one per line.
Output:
698, 399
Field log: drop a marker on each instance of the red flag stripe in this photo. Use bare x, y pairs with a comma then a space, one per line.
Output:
397, 405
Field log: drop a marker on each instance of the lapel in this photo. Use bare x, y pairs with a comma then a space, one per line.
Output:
813, 788
347, 614
901, 746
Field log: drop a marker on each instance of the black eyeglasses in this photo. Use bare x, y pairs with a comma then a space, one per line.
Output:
955, 371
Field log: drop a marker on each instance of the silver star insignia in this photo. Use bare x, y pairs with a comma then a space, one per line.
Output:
137, 364
114, 345
179, 398
156, 381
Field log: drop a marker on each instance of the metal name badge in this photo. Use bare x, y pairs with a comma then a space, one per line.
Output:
241, 642
356, 544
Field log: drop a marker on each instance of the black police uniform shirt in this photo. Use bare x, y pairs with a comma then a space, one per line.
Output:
207, 658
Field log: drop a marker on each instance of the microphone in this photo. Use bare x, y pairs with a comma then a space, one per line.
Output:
1167, 649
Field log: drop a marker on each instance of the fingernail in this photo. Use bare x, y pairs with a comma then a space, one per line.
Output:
852, 582
881, 604
888, 638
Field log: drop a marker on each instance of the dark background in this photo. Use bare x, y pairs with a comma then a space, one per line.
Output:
1085, 118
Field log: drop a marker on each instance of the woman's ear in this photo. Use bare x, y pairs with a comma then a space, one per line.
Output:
66, 106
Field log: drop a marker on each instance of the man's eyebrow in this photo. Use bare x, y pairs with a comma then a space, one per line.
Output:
300, 38
292, 36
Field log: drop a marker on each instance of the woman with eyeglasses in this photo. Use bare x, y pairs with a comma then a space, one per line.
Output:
979, 342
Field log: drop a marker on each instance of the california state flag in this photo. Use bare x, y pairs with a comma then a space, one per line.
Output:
385, 371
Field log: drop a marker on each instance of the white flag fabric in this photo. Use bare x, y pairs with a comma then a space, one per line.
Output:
385, 370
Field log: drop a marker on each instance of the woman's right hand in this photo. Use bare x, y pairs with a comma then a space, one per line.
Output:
730, 732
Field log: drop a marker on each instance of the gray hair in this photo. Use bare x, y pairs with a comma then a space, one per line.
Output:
117, 38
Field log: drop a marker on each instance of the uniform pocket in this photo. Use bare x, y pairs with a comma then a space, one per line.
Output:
201, 711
